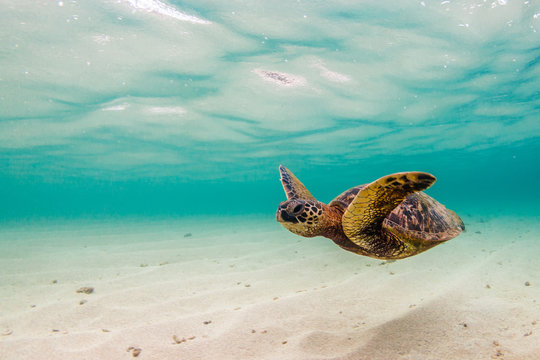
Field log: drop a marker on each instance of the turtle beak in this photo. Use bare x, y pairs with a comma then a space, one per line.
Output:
278, 216
280, 212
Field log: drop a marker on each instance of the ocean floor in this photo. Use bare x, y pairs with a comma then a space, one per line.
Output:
245, 288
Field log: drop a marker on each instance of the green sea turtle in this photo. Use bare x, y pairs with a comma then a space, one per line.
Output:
389, 218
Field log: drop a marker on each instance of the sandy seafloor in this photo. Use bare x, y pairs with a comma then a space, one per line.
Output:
244, 288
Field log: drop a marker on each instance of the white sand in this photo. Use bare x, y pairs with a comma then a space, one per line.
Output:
267, 293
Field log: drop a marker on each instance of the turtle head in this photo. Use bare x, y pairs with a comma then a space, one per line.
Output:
301, 213
302, 217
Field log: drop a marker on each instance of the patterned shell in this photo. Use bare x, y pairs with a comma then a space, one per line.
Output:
418, 216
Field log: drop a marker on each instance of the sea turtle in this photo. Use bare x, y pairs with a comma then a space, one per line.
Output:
389, 218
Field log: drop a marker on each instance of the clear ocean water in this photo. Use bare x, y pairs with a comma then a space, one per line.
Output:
186, 108
140, 142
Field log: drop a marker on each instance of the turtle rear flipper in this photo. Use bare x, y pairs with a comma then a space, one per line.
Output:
363, 219
294, 189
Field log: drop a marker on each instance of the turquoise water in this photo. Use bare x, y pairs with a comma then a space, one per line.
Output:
148, 108
140, 142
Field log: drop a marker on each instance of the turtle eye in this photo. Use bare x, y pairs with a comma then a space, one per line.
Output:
298, 208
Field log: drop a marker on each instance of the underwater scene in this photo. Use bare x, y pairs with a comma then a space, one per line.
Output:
270, 179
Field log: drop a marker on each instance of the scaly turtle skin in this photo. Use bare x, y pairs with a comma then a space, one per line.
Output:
389, 218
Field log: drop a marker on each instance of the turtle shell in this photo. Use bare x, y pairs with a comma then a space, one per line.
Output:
419, 216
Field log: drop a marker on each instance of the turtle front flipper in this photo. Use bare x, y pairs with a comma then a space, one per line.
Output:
294, 189
363, 219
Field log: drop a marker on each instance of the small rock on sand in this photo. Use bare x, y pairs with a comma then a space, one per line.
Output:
85, 290
177, 340
134, 351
